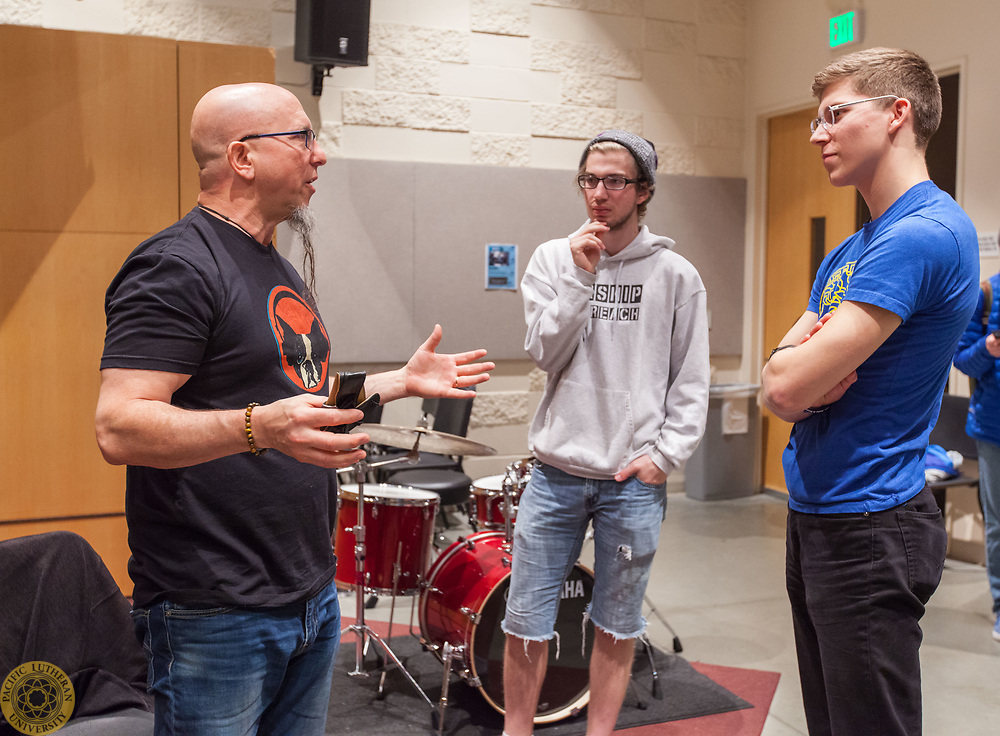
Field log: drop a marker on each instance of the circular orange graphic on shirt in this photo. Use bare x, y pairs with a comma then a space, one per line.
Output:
303, 345
37, 697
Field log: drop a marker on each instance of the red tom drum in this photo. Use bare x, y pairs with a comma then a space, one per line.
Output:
465, 600
486, 505
399, 526
487, 501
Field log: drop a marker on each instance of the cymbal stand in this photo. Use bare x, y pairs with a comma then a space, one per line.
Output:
361, 629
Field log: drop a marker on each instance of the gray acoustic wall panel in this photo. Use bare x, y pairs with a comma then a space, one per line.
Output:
460, 209
706, 216
401, 246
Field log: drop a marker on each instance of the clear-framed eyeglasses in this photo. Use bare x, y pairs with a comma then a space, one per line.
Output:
613, 182
829, 118
307, 136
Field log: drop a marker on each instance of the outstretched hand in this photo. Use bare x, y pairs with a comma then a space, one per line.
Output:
430, 374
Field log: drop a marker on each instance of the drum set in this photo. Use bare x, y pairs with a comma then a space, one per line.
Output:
461, 595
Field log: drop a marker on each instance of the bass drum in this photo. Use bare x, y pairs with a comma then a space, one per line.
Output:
463, 604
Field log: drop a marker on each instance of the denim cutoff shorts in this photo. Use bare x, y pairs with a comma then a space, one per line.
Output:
552, 519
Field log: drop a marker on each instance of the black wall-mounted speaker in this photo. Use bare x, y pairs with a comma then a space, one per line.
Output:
332, 32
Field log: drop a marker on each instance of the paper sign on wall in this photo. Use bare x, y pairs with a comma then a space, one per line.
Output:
501, 266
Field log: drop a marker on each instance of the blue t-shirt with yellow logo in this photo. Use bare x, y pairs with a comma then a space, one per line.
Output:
919, 260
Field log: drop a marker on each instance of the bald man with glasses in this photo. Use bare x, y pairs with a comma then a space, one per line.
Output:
215, 371
860, 375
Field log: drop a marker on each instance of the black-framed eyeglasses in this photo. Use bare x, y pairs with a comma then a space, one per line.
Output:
307, 135
829, 118
613, 182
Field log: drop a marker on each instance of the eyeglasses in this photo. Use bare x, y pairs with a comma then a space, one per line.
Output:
307, 135
829, 118
613, 182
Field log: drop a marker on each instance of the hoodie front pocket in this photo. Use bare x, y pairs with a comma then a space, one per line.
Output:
588, 426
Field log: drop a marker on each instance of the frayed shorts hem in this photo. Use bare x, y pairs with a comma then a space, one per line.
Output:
614, 634
508, 632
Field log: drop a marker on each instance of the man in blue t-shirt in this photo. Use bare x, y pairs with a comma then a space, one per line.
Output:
861, 375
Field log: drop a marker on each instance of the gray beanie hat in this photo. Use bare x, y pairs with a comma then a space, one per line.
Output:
642, 150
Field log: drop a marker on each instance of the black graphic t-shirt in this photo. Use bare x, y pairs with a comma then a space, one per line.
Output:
203, 299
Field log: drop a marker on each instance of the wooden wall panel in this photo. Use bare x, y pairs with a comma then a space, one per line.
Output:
200, 67
89, 134
91, 153
51, 339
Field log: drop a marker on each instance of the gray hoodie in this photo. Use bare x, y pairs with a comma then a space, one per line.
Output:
626, 353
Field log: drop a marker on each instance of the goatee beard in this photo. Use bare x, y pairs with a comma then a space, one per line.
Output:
302, 222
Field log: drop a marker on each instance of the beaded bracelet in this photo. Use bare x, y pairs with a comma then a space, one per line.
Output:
817, 409
253, 447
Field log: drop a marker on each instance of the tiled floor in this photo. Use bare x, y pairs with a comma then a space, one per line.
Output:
718, 581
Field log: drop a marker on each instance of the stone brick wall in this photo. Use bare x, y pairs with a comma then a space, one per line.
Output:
495, 82
522, 83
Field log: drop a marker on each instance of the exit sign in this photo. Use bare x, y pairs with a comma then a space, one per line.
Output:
845, 28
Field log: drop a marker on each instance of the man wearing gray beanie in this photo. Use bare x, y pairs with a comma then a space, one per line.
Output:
618, 322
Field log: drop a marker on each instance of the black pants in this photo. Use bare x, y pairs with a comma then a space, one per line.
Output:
857, 585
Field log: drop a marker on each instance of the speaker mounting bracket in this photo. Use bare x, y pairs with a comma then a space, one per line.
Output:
318, 72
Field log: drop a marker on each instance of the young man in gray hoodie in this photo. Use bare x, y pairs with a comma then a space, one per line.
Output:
618, 321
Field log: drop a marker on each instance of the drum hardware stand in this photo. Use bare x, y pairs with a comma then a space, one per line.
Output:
396, 572
361, 629
656, 612
447, 653
655, 689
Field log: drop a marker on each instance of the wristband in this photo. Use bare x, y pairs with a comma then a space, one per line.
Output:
780, 347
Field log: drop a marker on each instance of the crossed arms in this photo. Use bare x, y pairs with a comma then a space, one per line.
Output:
821, 367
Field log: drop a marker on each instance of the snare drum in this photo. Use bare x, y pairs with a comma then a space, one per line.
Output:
399, 525
486, 504
465, 600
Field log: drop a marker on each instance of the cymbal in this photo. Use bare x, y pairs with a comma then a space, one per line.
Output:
420, 438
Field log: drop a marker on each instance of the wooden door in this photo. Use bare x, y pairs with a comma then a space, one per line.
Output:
91, 141
802, 207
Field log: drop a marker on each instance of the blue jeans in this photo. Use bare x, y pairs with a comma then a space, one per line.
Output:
989, 497
552, 519
858, 584
238, 671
